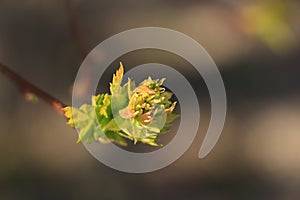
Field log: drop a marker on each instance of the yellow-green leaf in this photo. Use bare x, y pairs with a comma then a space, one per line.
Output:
117, 79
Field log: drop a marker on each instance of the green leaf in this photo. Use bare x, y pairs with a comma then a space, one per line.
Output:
116, 137
98, 100
112, 126
105, 106
171, 117
117, 79
85, 120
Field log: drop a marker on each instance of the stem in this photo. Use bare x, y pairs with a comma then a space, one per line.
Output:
76, 27
28, 88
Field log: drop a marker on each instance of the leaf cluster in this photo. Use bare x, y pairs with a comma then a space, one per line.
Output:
137, 113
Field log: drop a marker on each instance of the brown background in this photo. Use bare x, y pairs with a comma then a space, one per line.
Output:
256, 47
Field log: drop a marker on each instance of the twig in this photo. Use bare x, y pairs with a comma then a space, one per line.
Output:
28, 88
76, 27
79, 38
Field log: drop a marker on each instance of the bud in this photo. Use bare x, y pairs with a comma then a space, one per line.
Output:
145, 101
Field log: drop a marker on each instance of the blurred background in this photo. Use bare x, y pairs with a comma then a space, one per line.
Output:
255, 44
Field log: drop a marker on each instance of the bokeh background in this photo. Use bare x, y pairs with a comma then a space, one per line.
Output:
256, 47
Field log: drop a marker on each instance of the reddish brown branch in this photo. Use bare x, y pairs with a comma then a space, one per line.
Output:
26, 88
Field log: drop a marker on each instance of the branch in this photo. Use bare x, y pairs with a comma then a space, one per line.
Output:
76, 27
28, 88
78, 34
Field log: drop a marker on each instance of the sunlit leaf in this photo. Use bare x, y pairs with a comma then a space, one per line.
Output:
137, 113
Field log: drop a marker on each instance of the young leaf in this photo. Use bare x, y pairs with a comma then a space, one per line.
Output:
116, 137
105, 106
85, 120
117, 79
